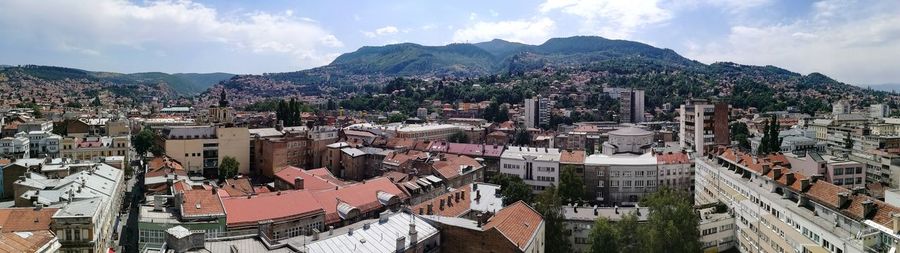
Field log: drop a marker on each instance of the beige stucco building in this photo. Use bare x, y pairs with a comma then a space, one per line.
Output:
202, 148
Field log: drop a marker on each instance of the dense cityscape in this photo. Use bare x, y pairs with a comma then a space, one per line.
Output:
552, 143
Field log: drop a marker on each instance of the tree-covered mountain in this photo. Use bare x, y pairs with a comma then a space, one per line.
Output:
580, 65
183, 84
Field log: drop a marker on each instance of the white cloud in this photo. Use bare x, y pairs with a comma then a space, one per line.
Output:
96, 26
387, 30
473, 16
858, 45
526, 31
613, 19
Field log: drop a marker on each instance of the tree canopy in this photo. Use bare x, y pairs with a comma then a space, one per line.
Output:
229, 167
671, 226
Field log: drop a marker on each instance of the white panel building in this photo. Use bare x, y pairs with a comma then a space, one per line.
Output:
538, 167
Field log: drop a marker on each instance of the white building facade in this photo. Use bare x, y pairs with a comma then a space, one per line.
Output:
538, 167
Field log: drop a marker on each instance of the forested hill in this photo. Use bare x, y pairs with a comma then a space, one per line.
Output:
583, 64
182, 84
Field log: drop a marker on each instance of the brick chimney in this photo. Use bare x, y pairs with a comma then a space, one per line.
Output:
776, 173
298, 183
790, 178
765, 169
804, 184
869, 208
843, 199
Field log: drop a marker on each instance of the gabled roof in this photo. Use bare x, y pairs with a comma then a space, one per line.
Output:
450, 165
310, 181
456, 203
363, 196
238, 187
274, 206
571, 157
201, 203
25, 219
518, 222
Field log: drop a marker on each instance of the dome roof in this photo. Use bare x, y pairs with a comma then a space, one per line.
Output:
631, 131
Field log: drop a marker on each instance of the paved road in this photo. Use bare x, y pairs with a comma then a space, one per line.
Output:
129, 234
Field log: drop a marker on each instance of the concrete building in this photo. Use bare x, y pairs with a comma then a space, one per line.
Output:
581, 219
778, 210
15, 147
628, 140
538, 167
515, 228
838, 171
195, 209
703, 126
537, 112
878, 111
840, 107
88, 202
717, 230
95, 148
320, 137
631, 106
42, 143
620, 179
201, 148
423, 132
676, 170
274, 148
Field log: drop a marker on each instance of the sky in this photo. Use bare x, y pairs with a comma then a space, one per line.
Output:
857, 42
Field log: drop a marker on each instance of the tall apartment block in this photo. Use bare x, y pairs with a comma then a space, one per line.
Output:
704, 126
537, 112
777, 209
631, 106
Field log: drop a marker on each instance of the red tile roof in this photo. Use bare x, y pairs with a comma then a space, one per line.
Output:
12, 242
277, 206
820, 191
673, 158
453, 206
360, 195
25, 219
310, 181
198, 203
448, 167
161, 166
518, 222
238, 187
571, 157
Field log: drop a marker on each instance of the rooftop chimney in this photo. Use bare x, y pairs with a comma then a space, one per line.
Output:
298, 183
790, 178
804, 184
765, 169
413, 234
868, 208
895, 220
843, 199
401, 243
442, 205
776, 173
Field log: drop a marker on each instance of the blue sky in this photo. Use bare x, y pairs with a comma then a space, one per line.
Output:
855, 42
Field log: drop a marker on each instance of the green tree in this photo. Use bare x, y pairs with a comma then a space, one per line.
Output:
502, 114
96, 102
491, 112
672, 223
549, 203
397, 117
604, 236
458, 137
229, 167
523, 137
741, 134
143, 141
571, 186
513, 189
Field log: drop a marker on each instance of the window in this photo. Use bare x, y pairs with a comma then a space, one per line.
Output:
838, 171
599, 173
601, 184
858, 170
